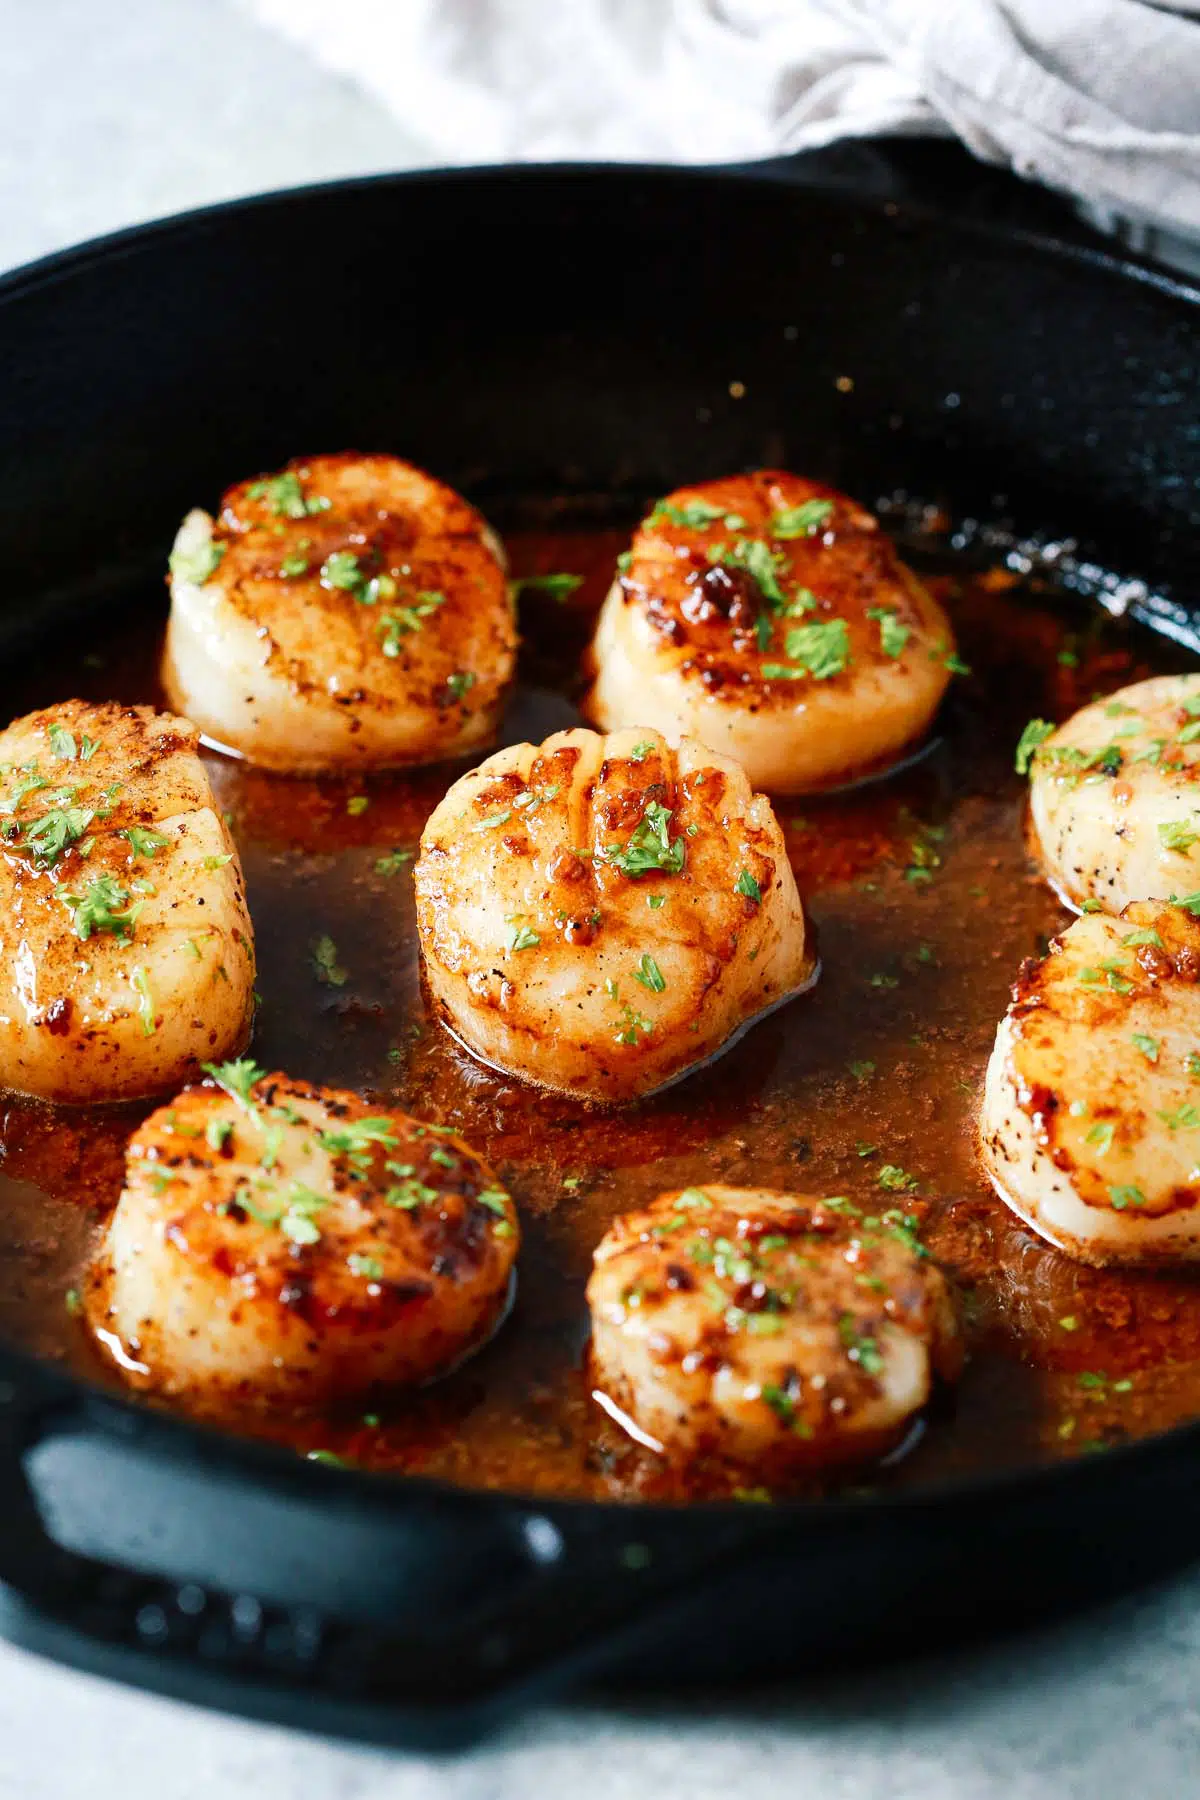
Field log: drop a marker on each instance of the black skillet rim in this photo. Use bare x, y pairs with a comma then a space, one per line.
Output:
62, 1392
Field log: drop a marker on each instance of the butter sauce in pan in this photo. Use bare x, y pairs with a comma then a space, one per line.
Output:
924, 904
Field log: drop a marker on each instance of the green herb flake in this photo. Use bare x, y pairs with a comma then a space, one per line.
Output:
369, 1267
805, 520
1101, 1137
1149, 1046
196, 563
357, 805
860, 1348
285, 497
747, 885
103, 907
145, 1007
523, 937
1121, 1197
649, 974
236, 1078
217, 1134
821, 650
460, 684
143, 842
393, 862
861, 1071
1178, 835
1034, 734
326, 965
893, 636
294, 565
649, 847
63, 744
557, 587
896, 1180
693, 515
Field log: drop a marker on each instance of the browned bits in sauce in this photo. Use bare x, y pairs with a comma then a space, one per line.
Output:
924, 905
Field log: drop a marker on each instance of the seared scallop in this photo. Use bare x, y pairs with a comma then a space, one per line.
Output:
773, 1332
769, 617
1090, 1126
350, 612
600, 914
1114, 795
281, 1243
126, 951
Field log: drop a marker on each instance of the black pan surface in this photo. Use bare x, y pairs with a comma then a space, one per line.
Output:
896, 322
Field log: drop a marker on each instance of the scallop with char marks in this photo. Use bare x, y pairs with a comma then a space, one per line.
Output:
597, 915
1090, 1125
769, 617
277, 1242
350, 612
1114, 795
770, 1331
126, 950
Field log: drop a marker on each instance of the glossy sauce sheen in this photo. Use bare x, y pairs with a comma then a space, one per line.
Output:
924, 903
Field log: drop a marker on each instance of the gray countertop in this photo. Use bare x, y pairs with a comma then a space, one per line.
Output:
109, 115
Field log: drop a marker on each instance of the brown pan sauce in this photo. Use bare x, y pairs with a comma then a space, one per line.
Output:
924, 903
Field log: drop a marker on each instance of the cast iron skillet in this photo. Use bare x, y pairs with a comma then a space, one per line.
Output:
556, 330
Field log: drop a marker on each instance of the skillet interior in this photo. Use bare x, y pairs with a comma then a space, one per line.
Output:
578, 334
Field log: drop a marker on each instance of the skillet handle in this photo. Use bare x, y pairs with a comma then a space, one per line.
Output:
933, 175
545, 1596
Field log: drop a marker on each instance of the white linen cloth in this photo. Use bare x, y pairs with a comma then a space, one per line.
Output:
1100, 98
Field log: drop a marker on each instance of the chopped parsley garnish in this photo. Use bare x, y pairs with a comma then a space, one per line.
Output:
558, 587
217, 1133
953, 661
1183, 1118
285, 497
357, 805
402, 620
895, 1179
1188, 903
104, 906
326, 965
493, 820
56, 830
461, 683
1101, 1136
236, 1078
1134, 938
693, 515
892, 634
523, 937
143, 842
1178, 834
746, 884
654, 901
804, 520
1192, 1062
196, 563
355, 1137
649, 847
1121, 1197
864, 1350
213, 863
641, 751
649, 974
1149, 1046
294, 565
1108, 971
145, 1008
1035, 733
633, 1022
755, 556
393, 862
861, 1071
369, 1267
778, 1401
822, 650
63, 744
342, 569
